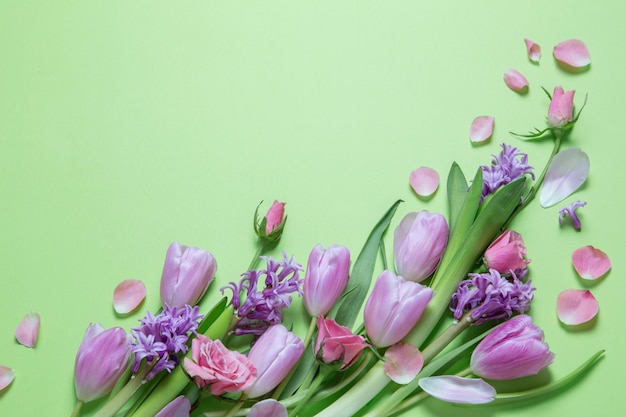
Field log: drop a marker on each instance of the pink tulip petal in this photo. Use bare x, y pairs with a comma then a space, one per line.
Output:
424, 181
576, 306
534, 50
515, 80
28, 330
568, 171
482, 128
403, 362
268, 408
590, 263
6, 376
179, 407
455, 389
128, 295
573, 53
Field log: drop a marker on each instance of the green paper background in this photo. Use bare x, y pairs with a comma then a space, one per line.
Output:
126, 125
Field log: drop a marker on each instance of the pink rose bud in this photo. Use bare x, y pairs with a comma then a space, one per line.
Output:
561, 110
101, 359
336, 344
418, 244
513, 350
393, 308
507, 253
213, 364
271, 226
273, 355
326, 278
186, 276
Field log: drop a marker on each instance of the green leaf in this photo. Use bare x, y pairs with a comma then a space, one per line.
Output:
212, 315
457, 190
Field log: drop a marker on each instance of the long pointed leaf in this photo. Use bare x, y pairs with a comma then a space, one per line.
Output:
457, 191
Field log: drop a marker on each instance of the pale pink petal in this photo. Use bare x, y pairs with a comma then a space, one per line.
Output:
6, 376
403, 362
576, 306
455, 389
128, 295
424, 181
268, 408
178, 407
590, 263
534, 50
514, 80
28, 330
482, 128
568, 171
573, 53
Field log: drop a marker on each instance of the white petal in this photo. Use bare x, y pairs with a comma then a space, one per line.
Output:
455, 389
567, 172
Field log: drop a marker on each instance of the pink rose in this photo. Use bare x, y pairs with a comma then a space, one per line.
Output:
213, 364
337, 344
561, 110
507, 253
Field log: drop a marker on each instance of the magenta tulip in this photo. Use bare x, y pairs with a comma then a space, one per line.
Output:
561, 110
326, 278
507, 253
336, 344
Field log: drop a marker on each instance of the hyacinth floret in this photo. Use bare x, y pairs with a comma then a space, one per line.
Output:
162, 338
259, 308
491, 296
509, 165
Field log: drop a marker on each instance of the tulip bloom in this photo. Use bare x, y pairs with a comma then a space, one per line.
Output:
393, 308
101, 359
273, 355
326, 278
418, 244
507, 253
561, 110
186, 276
178, 407
513, 350
337, 344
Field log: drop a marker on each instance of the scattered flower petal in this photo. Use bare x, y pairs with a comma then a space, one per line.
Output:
403, 362
573, 53
534, 50
568, 171
268, 408
590, 263
570, 211
515, 80
6, 376
179, 407
424, 181
28, 330
455, 389
576, 306
128, 295
482, 128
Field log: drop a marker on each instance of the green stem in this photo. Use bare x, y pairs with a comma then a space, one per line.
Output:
257, 254
236, 407
77, 407
324, 372
118, 401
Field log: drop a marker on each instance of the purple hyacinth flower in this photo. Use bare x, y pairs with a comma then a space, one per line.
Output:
509, 165
570, 211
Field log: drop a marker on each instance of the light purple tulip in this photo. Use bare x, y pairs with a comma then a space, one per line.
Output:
179, 407
268, 408
326, 278
458, 390
393, 308
418, 244
513, 350
101, 359
273, 355
186, 276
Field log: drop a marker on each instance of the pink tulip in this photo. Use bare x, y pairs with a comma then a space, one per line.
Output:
326, 278
418, 244
186, 276
393, 308
561, 110
273, 355
507, 253
513, 350
101, 359
336, 344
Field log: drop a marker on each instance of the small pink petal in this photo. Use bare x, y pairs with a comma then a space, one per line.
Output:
534, 50
567, 171
573, 53
28, 330
403, 362
128, 295
576, 306
590, 263
424, 181
514, 80
455, 389
268, 408
6, 376
482, 128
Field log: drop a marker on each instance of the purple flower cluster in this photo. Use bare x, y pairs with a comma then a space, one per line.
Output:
163, 337
262, 307
491, 296
504, 169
